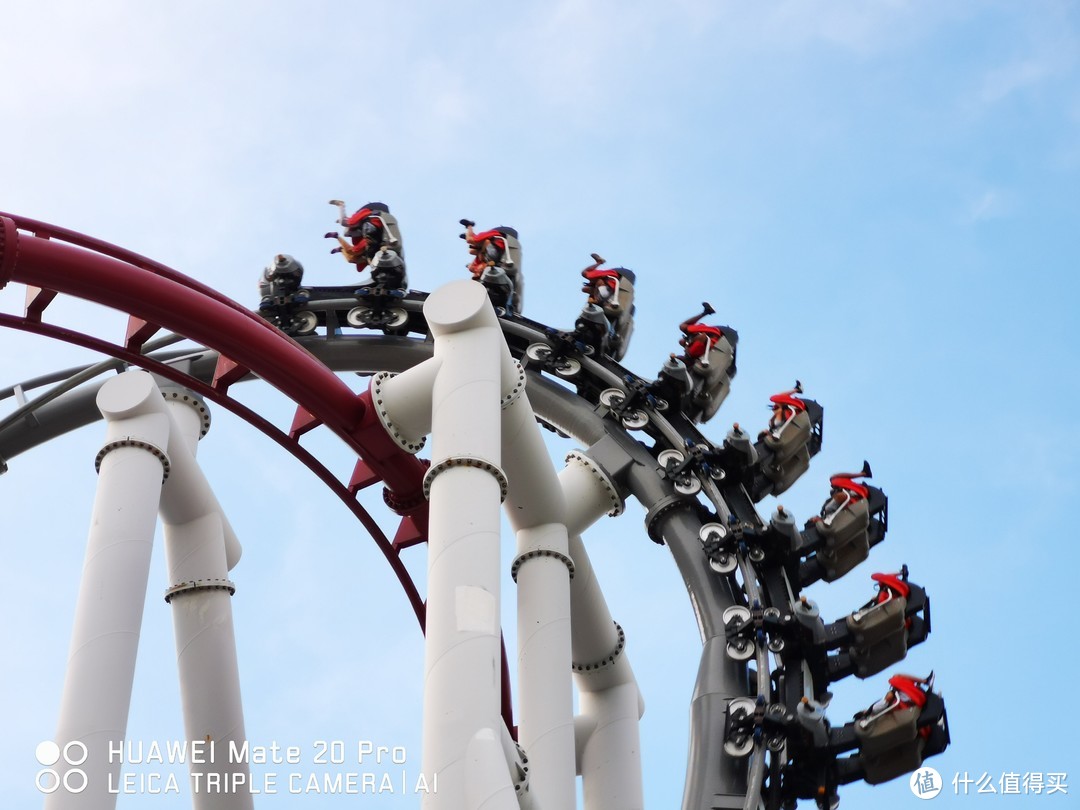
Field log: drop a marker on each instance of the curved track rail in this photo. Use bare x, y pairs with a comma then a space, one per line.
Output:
239, 344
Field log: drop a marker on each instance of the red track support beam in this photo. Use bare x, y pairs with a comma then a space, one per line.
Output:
302, 422
362, 477
138, 332
36, 301
226, 372
408, 534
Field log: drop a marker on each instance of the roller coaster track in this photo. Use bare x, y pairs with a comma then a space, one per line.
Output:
240, 345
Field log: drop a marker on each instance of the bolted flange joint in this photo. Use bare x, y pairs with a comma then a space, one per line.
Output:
411, 444
654, 520
199, 585
598, 472
533, 554
620, 645
519, 772
131, 441
401, 505
193, 401
467, 461
516, 390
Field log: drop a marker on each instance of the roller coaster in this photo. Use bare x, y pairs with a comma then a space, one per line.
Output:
760, 735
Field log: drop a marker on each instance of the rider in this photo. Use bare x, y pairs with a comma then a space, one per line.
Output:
602, 286
784, 406
845, 489
493, 262
368, 231
905, 691
698, 338
488, 248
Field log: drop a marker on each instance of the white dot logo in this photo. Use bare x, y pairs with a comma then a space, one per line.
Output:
925, 783
48, 753
48, 779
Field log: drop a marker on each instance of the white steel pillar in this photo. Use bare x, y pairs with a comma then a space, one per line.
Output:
108, 613
610, 705
201, 548
542, 570
462, 661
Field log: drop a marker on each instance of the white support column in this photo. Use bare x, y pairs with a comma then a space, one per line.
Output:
611, 754
404, 403
198, 539
608, 735
542, 570
462, 661
108, 613
471, 356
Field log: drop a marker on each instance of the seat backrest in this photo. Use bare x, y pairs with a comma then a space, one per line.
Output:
393, 233
626, 292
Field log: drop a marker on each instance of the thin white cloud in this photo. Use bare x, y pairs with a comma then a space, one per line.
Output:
991, 204
863, 28
1004, 81
1047, 47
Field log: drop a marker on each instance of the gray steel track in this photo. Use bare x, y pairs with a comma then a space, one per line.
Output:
713, 779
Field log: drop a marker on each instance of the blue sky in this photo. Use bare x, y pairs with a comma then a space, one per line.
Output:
881, 198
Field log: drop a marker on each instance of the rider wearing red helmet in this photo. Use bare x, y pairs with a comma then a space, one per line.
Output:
602, 285
369, 230
845, 489
698, 338
496, 264
489, 248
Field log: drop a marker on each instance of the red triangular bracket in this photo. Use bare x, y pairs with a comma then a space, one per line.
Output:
227, 372
138, 332
362, 477
408, 534
36, 301
302, 422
